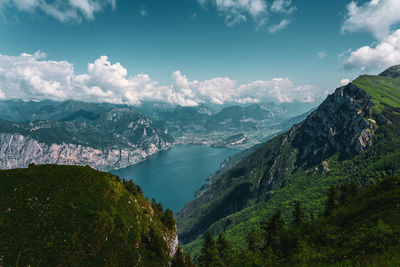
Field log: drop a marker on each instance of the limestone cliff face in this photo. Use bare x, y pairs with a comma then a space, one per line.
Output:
17, 151
118, 138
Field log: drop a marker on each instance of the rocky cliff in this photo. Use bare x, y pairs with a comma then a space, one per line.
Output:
342, 125
112, 139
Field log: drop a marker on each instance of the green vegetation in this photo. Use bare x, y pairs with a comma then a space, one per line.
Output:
384, 90
75, 216
361, 229
308, 184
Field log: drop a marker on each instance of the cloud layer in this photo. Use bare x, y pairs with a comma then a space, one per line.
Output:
32, 77
259, 11
64, 11
380, 56
375, 16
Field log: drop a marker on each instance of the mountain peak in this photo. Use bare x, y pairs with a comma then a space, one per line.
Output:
392, 72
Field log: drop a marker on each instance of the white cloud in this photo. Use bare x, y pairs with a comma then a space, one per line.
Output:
379, 56
321, 55
344, 82
375, 16
283, 6
2, 95
65, 11
259, 11
237, 11
278, 27
32, 77
143, 11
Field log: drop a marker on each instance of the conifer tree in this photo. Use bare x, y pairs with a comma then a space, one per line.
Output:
331, 201
297, 214
178, 260
271, 229
252, 241
209, 253
224, 250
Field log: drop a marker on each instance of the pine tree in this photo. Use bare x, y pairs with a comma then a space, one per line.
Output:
331, 201
224, 250
178, 260
297, 214
271, 229
208, 253
252, 241
188, 261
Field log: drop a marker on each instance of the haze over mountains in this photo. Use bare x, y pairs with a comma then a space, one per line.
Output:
109, 136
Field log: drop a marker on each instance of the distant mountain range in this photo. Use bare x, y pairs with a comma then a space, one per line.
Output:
104, 136
237, 126
352, 136
109, 136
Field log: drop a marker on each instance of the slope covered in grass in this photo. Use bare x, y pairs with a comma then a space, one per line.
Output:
76, 216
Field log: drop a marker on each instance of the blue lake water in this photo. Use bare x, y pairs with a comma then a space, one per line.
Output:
172, 176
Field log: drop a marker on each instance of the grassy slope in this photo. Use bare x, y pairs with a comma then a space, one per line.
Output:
310, 187
384, 90
68, 215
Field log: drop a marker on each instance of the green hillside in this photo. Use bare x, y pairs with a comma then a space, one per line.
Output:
356, 229
305, 180
76, 216
384, 90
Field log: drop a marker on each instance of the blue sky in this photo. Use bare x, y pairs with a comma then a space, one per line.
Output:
309, 45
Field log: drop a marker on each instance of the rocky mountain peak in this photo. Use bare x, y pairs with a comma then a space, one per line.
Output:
393, 72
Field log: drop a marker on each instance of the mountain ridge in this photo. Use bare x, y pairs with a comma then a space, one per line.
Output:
343, 127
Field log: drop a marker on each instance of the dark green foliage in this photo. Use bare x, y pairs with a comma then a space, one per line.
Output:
168, 219
330, 204
224, 250
271, 228
75, 216
181, 259
364, 231
209, 256
298, 214
132, 187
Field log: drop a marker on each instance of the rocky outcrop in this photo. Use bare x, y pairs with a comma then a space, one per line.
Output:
343, 124
392, 72
18, 151
115, 139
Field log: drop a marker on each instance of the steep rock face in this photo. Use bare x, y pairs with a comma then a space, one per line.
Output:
115, 139
18, 151
342, 124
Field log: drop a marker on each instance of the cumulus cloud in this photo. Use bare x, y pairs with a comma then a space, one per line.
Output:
344, 82
32, 77
379, 56
65, 11
374, 16
259, 11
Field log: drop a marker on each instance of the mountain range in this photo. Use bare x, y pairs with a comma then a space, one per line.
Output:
352, 136
109, 136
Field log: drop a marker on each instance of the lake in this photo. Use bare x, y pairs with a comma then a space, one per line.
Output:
172, 176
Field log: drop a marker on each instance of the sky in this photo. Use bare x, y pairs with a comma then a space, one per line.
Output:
190, 52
